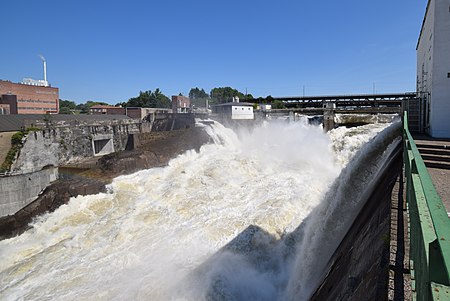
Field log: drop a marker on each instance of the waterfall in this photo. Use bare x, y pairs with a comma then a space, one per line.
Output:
244, 218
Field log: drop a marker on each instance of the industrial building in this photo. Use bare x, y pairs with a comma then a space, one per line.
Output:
234, 110
433, 69
31, 96
29, 99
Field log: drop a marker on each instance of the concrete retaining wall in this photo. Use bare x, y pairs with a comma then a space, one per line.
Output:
19, 190
68, 144
359, 268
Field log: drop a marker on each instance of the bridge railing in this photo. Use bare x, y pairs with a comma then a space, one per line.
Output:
429, 227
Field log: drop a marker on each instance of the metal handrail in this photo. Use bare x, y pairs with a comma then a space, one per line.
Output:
429, 227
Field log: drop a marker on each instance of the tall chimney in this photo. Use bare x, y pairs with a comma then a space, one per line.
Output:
45, 71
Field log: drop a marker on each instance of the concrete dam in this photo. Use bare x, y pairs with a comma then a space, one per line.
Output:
282, 212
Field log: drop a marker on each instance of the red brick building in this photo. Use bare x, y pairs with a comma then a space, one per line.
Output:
106, 110
181, 104
30, 99
5, 109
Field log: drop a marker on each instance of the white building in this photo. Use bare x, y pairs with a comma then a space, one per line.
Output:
433, 68
234, 110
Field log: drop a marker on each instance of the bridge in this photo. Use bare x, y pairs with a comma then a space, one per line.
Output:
329, 105
343, 101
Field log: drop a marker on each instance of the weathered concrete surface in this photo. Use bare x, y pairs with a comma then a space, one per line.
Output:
155, 149
17, 191
358, 269
66, 144
55, 195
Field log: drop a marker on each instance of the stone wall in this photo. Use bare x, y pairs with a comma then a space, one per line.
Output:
17, 191
63, 144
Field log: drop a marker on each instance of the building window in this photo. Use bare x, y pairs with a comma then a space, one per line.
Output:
448, 75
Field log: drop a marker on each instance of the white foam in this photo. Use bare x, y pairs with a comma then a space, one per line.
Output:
145, 239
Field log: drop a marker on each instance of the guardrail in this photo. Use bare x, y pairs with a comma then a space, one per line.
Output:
429, 227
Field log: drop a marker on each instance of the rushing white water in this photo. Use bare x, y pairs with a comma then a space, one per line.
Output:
219, 224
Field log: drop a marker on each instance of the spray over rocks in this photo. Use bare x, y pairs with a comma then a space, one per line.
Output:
243, 218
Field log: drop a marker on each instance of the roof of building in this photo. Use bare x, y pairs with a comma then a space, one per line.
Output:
237, 104
12, 123
105, 107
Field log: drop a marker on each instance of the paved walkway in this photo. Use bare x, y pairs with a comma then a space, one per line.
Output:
399, 287
436, 155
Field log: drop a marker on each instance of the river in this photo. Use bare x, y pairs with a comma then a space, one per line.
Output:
219, 224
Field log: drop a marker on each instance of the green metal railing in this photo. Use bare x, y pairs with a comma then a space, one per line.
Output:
429, 227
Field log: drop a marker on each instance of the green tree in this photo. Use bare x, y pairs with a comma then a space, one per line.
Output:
84, 107
65, 111
67, 104
199, 98
248, 98
278, 104
224, 94
195, 93
149, 99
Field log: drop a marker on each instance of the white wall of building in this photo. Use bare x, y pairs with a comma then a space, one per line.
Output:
440, 97
433, 66
242, 112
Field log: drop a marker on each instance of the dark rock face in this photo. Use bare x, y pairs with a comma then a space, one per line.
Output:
151, 150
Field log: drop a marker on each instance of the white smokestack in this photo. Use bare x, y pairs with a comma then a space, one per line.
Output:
45, 68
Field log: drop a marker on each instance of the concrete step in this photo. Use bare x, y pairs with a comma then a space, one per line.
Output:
439, 165
434, 151
436, 158
434, 146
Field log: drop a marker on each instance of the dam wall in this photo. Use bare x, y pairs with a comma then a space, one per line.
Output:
67, 143
17, 191
359, 268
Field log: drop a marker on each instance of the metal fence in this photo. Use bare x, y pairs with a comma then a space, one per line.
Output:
429, 227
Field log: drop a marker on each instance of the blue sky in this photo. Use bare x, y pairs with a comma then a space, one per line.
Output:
110, 50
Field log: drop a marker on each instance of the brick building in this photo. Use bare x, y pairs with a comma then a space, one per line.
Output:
29, 99
4, 109
106, 110
181, 104
142, 113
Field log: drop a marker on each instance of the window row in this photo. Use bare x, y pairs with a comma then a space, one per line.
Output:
37, 109
34, 101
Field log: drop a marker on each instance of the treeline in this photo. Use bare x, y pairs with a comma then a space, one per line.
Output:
156, 99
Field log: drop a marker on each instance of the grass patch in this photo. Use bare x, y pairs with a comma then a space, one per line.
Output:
16, 146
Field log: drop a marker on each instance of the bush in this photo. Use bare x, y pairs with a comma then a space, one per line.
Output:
16, 139
16, 145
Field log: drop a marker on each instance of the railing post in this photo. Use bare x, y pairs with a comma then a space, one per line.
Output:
429, 227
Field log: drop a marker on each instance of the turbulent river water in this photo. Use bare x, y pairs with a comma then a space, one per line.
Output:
245, 218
